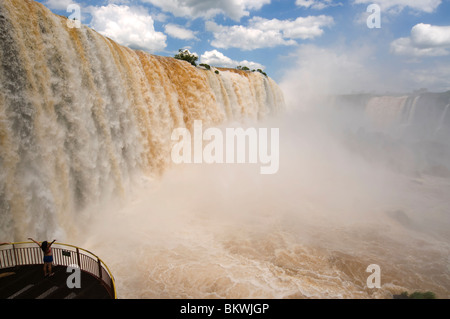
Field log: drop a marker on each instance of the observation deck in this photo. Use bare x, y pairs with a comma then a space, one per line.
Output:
22, 274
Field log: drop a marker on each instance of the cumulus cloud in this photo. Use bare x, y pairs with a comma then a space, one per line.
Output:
317, 71
406, 47
398, 5
180, 32
316, 4
425, 40
235, 9
426, 35
301, 28
245, 38
435, 77
58, 4
131, 27
218, 59
263, 33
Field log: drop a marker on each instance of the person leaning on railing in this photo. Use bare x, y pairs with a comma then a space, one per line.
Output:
48, 256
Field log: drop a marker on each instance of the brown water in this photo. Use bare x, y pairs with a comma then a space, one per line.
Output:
85, 128
81, 116
309, 231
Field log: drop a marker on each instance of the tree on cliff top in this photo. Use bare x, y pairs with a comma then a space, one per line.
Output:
185, 55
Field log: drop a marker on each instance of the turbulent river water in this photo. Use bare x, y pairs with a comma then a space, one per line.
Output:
85, 137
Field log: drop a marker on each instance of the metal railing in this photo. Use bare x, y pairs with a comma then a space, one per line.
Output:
28, 253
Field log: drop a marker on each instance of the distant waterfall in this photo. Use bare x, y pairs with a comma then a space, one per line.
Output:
80, 114
385, 111
420, 116
444, 118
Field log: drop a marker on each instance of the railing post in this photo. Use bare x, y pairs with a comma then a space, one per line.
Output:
78, 258
99, 268
15, 255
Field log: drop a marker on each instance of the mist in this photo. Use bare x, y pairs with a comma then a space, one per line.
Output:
339, 203
95, 171
347, 195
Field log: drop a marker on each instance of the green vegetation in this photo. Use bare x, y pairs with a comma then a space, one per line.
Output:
185, 55
206, 66
418, 295
262, 72
243, 68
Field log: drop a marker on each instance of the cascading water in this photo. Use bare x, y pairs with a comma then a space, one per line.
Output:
385, 111
443, 119
419, 115
84, 120
80, 115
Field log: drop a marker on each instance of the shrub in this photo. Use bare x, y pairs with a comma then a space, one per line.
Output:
262, 72
419, 295
206, 66
422, 295
243, 68
216, 72
185, 55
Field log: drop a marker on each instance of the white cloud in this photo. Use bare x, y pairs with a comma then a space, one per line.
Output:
179, 32
235, 9
263, 33
118, 1
425, 40
317, 71
58, 4
426, 35
218, 59
245, 38
316, 4
131, 27
404, 46
398, 5
301, 28
435, 77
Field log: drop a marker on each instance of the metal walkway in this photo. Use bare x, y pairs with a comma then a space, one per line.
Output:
28, 282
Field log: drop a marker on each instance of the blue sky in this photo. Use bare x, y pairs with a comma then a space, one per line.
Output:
306, 44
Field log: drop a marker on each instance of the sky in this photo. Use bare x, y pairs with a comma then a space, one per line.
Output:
314, 45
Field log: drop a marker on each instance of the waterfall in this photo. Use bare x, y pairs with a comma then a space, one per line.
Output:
80, 115
416, 116
412, 111
442, 118
385, 112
